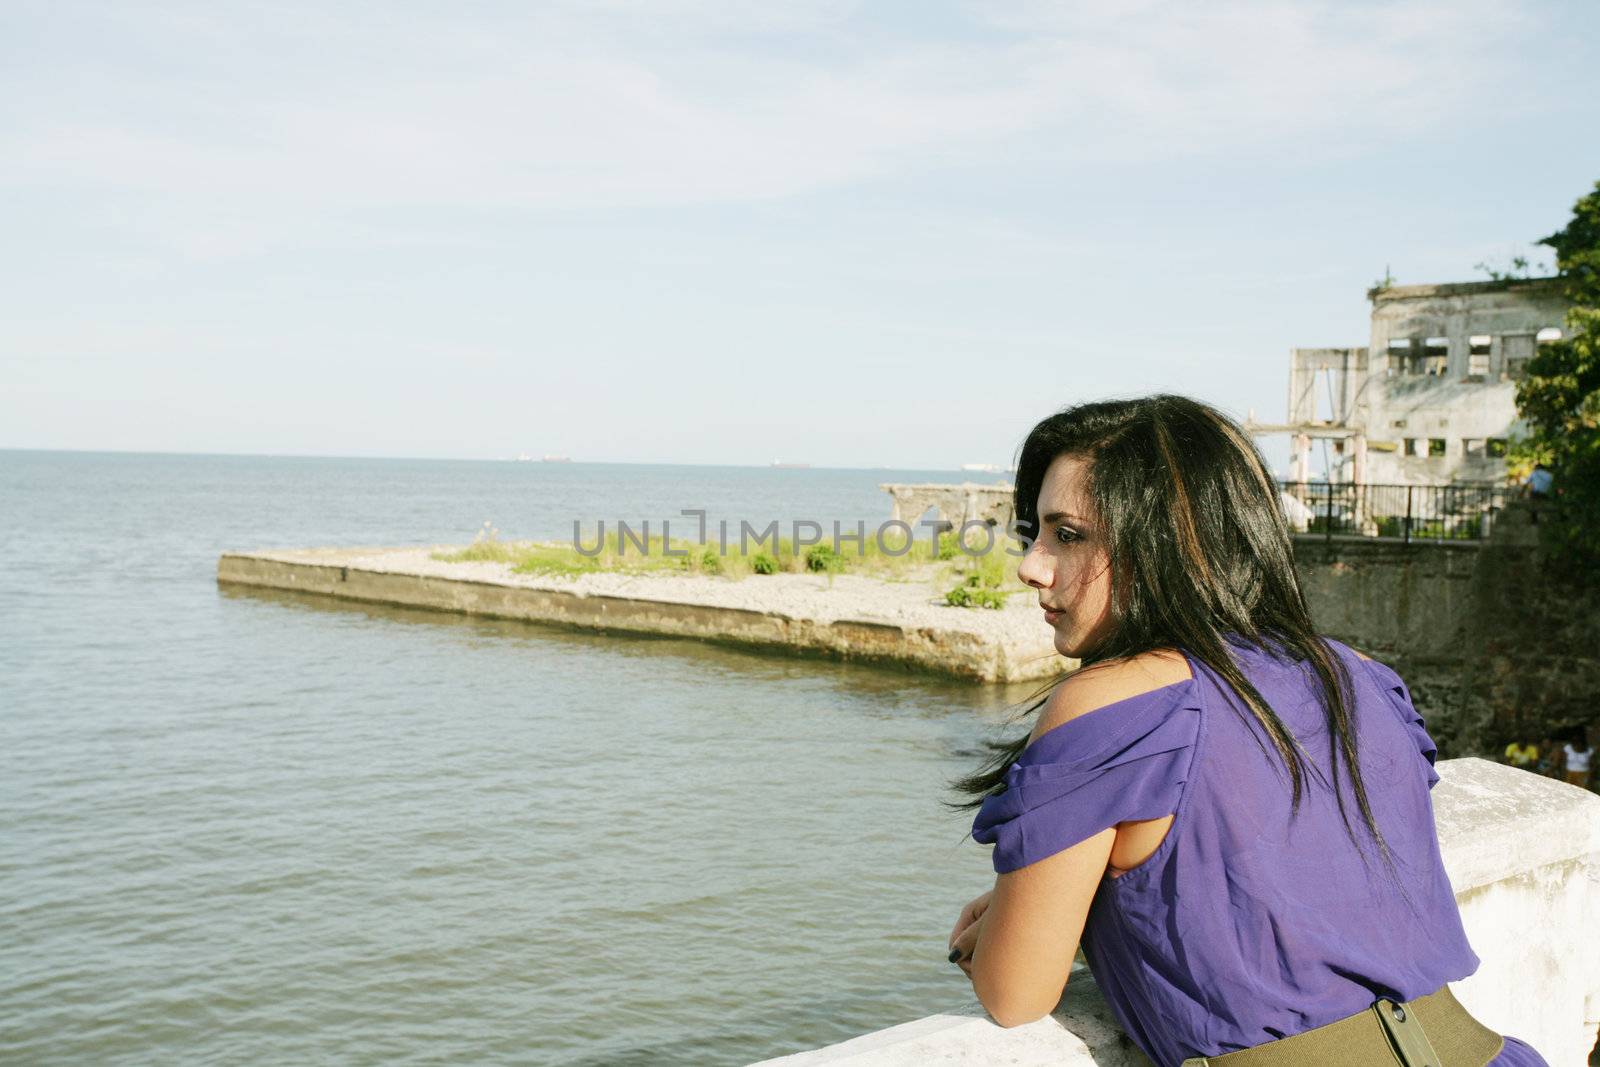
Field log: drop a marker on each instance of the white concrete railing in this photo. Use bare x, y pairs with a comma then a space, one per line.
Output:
1523, 853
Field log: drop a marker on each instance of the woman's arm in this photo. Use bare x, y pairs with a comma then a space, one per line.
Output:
1022, 947
1019, 952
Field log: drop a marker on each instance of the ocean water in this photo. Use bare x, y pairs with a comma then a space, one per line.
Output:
261, 828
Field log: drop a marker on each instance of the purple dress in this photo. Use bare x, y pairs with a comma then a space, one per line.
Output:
1244, 926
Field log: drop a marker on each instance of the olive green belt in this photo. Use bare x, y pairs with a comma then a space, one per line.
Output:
1430, 1031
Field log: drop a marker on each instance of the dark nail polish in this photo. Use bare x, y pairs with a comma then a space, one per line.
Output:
955, 954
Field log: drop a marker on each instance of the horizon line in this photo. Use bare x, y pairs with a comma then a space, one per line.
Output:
796, 465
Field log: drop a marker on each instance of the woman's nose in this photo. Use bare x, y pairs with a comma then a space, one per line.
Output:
1034, 569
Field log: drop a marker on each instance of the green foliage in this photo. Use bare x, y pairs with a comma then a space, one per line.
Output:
893, 560
984, 576
822, 559
543, 559
1465, 529
1560, 397
1577, 248
1519, 270
973, 593
949, 546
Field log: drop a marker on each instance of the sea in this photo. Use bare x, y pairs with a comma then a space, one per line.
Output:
254, 827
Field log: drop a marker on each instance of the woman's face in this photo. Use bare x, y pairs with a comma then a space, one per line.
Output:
1068, 562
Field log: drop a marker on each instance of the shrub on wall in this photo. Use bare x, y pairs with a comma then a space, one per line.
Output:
1560, 398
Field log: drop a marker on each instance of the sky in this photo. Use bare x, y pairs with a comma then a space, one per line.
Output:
691, 231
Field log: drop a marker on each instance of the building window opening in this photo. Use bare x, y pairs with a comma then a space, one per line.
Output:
1478, 356
1399, 349
1435, 357
1472, 447
1435, 446
1515, 350
1415, 446
1547, 335
1496, 447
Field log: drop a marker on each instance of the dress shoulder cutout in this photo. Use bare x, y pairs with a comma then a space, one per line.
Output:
1126, 760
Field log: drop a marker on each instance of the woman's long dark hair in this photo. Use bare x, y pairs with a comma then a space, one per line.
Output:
1198, 550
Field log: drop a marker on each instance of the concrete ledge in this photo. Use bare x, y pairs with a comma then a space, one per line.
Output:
1496, 822
1523, 855
1006, 646
1082, 1031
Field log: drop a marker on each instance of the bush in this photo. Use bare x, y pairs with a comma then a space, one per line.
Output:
822, 559
968, 596
1559, 401
974, 592
763, 563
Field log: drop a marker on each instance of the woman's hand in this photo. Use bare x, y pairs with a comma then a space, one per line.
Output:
962, 948
964, 935
969, 914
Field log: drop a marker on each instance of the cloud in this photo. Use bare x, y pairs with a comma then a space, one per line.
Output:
585, 105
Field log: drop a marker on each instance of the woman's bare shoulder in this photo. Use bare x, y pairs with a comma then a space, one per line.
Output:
1106, 683
1334, 645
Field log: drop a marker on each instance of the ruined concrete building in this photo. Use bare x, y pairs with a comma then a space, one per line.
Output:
1431, 401
952, 505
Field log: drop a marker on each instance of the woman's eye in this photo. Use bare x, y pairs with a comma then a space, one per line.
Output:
1066, 535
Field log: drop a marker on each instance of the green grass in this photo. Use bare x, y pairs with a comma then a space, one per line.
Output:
987, 579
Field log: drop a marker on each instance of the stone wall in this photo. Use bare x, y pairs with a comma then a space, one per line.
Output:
1492, 645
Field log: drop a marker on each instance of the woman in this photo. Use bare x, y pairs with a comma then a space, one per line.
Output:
1232, 812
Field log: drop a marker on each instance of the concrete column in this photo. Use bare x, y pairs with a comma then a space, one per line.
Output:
1300, 458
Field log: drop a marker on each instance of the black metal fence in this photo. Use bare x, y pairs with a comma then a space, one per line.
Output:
1464, 512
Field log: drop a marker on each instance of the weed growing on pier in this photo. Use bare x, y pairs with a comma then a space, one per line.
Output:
985, 581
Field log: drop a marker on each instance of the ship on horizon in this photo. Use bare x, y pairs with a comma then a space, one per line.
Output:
781, 465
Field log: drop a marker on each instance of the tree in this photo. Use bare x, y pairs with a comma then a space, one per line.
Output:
1559, 397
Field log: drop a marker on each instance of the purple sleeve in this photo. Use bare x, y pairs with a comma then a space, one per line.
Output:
1127, 760
1400, 699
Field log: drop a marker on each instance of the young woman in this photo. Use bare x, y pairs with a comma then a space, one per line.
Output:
1231, 812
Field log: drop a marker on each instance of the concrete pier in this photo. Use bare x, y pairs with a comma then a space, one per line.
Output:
851, 617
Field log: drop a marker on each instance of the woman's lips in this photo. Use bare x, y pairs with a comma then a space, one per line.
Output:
1051, 616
